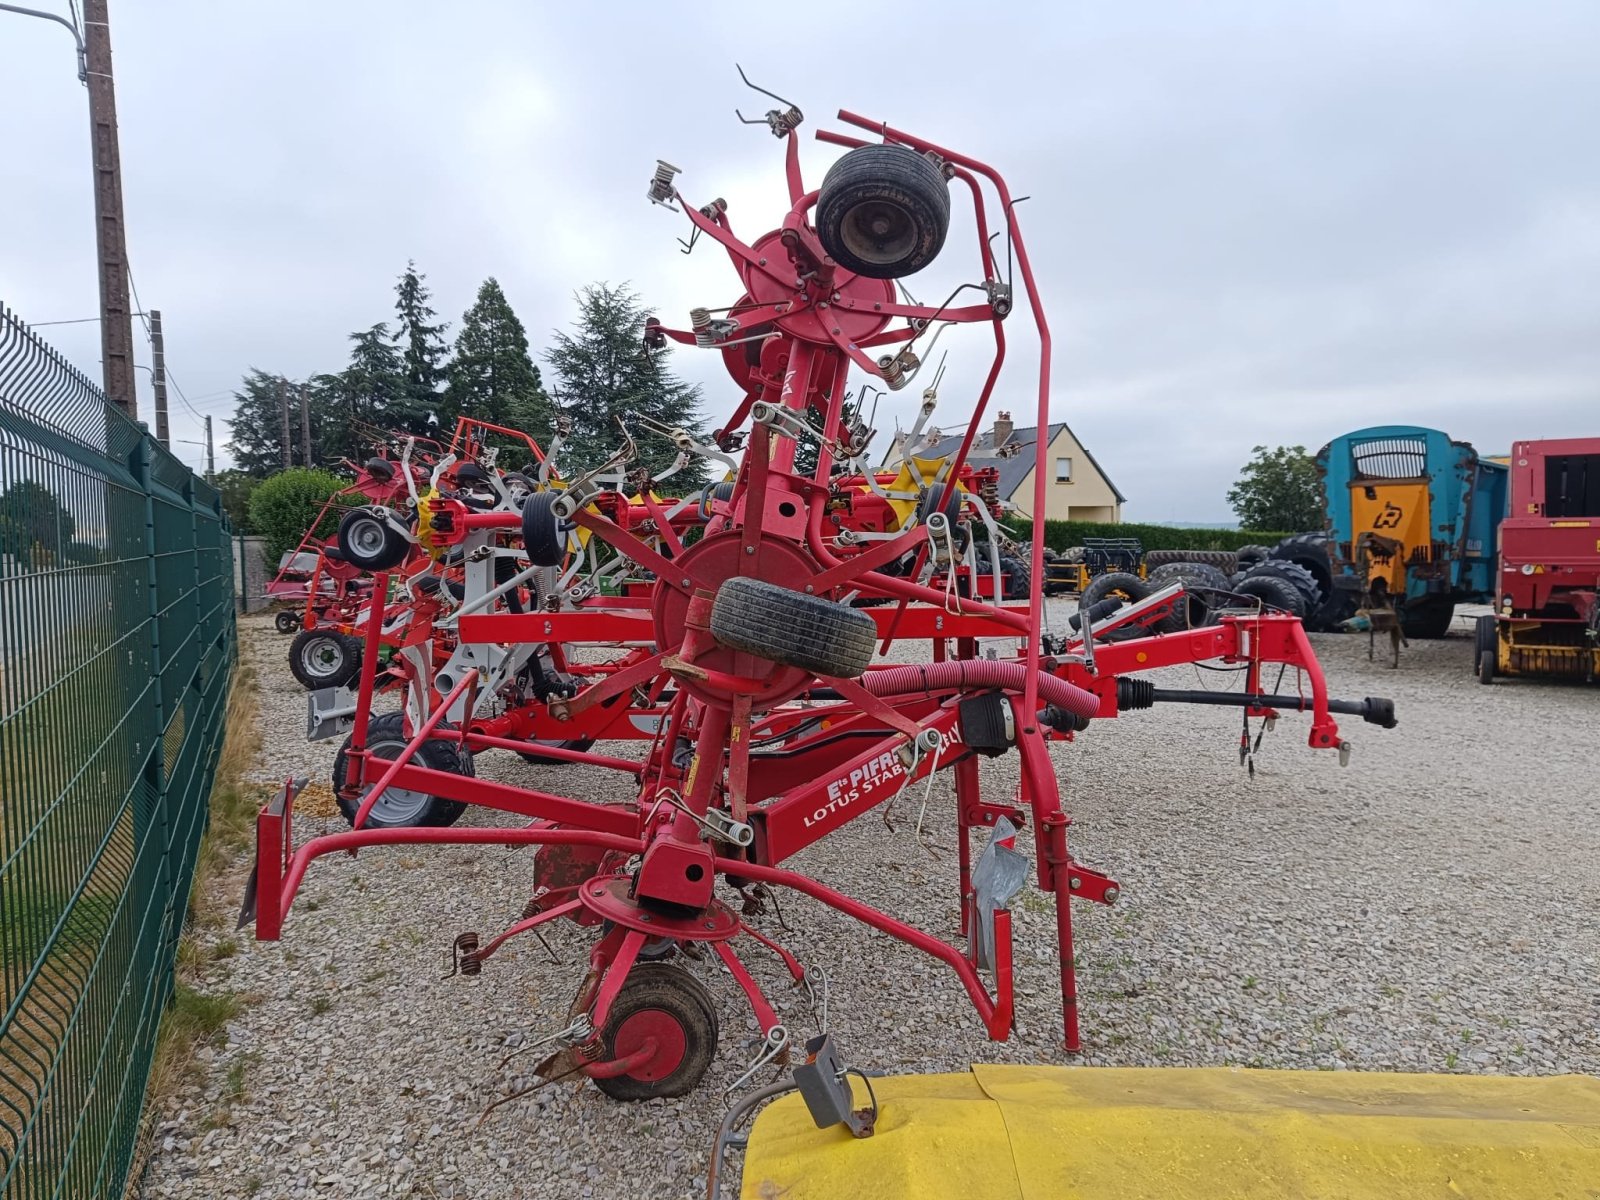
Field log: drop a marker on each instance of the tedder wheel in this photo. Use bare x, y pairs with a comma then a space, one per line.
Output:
883, 211
792, 628
401, 808
671, 1006
1487, 648
1273, 593
543, 534
368, 541
286, 622
321, 658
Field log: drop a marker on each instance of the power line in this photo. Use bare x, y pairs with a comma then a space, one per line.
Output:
75, 321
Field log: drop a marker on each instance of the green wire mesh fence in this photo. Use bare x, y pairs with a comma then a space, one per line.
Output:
116, 650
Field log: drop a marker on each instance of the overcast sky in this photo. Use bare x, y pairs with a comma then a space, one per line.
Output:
1252, 223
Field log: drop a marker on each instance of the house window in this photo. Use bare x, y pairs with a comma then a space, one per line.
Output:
1063, 470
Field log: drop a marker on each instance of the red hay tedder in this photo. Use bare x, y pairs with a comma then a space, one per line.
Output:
751, 652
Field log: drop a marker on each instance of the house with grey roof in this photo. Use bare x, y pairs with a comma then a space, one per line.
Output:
1076, 487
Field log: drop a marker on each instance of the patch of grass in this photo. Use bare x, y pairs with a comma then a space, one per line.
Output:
376, 974
1389, 990
1249, 982
197, 1016
321, 1005
1451, 1058
1466, 1037
226, 948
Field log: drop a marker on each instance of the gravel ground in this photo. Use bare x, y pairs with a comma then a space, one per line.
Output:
1430, 907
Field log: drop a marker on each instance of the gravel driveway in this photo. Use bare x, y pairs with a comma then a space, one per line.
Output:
1430, 907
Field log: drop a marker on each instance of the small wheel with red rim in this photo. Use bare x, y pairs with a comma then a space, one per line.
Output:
669, 1006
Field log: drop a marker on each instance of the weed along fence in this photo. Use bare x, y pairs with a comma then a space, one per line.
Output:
116, 649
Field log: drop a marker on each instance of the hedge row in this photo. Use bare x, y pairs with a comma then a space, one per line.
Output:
1059, 535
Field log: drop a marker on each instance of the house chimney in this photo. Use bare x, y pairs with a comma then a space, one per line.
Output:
1002, 430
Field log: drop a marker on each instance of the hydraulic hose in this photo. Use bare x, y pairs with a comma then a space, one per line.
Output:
963, 674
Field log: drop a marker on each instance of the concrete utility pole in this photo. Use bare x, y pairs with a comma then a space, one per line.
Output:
305, 429
158, 378
283, 412
211, 455
116, 316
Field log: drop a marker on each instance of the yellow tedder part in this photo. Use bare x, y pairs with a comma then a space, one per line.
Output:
1104, 1133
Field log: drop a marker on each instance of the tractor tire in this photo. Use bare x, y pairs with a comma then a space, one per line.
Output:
543, 533
1274, 593
1310, 551
368, 541
1072, 554
1252, 554
665, 1002
1428, 621
1224, 561
379, 468
1195, 612
1486, 647
1121, 584
323, 658
286, 622
1296, 576
883, 211
402, 808
793, 629
1018, 579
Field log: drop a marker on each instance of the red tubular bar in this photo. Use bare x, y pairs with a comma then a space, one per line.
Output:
480, 741
469, 679
1036, 583
272, 829
369, 662
996, 1016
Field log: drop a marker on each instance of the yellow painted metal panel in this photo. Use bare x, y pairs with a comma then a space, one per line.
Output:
1053, 1133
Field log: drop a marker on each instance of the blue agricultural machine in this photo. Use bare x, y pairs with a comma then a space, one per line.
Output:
1411, 521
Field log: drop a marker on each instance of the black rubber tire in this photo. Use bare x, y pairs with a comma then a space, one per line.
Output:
517, 479
1273, 593
933, 499
1427, 621
1310, 550
1296, 576
1486, 646
1123, 585
368, 541
672, 991
322, 658
1196, 613
543, 533
792, 628
1072, 554
1248, 556
286, 622
712, 494
387, 730
883, 211
379, 468
1018, 580
1224, 561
